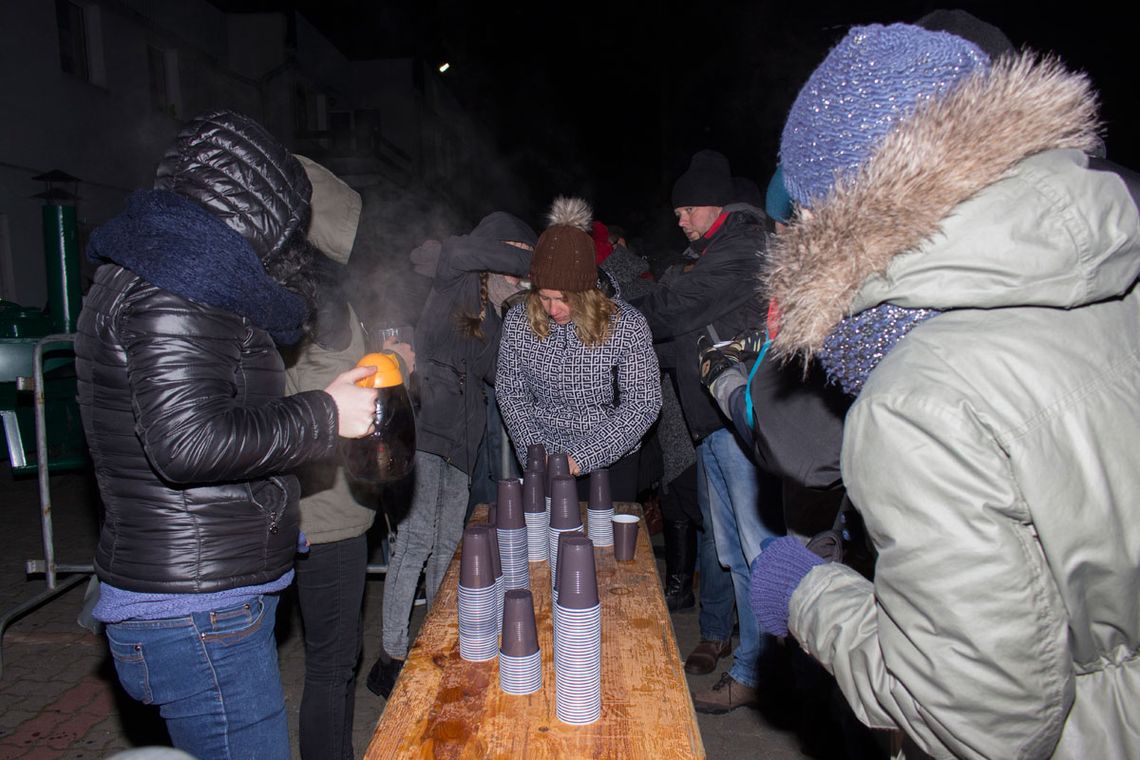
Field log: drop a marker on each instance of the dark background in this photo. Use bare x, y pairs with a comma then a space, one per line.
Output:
609, 100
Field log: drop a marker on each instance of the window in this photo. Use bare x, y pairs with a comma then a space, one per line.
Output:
72, 38
80, 40
165, 92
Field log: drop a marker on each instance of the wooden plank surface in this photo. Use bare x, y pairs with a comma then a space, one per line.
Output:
446, 707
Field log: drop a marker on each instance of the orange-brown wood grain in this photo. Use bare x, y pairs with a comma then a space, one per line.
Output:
446, 707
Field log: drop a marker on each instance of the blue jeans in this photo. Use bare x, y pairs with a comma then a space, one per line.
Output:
733, 493
716, 596
330, 589
214, 677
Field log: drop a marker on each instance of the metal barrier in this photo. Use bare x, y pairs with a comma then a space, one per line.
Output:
48, 566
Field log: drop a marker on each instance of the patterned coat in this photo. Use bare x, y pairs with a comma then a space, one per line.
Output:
593, 402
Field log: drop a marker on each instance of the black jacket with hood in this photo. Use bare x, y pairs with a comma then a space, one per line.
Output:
182, 401
719, 291
451, 365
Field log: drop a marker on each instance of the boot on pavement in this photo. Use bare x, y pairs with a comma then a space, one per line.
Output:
725, 695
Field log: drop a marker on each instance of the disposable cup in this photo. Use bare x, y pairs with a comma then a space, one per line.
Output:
534, 491
509, 508
564, 511
536, 457
520, 634
476, 570
577, 575
600, 490
625, 536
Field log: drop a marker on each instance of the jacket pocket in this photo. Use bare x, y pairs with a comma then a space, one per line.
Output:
272, 497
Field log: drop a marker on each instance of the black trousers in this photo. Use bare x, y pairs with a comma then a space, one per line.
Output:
330, 588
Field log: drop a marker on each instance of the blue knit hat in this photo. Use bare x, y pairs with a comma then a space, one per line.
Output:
871, 80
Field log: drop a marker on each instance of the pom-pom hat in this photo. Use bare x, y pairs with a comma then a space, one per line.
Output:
564, 256
876, 76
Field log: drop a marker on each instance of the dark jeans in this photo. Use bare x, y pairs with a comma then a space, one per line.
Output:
330, 588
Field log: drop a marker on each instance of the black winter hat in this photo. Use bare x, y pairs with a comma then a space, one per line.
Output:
708, 182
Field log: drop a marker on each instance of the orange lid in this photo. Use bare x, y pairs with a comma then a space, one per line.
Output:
387, 371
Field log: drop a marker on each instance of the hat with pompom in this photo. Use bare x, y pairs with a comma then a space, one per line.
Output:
564, 256
875, 77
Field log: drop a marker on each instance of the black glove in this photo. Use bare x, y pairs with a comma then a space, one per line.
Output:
714, 361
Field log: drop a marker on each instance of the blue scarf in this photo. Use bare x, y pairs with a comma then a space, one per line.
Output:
178, 245
858, 343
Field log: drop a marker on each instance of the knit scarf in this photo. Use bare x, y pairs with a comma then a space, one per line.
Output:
858, 343
179, 246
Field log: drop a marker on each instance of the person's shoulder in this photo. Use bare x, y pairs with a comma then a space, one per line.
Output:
629, 316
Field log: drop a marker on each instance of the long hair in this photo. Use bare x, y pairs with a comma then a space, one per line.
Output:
471, 325
293, 267
590, 311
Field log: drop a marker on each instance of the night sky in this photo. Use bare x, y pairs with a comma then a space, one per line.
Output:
609, 100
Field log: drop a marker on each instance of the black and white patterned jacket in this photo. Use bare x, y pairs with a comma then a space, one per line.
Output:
561, 393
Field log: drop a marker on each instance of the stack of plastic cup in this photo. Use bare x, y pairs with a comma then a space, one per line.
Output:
497, 564
600, 509
520, 661
537, 515
512, 535
536, 457
578, 635
564, 515
479, 618
556, 464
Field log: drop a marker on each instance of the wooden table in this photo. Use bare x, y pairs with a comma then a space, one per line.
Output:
446, 707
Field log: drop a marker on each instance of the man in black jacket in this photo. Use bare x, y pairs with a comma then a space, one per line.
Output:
716, 297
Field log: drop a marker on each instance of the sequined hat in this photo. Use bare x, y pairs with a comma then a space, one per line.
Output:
873, 78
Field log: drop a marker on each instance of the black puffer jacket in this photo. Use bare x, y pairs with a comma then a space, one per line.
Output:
720, 290
182, 402
452, 366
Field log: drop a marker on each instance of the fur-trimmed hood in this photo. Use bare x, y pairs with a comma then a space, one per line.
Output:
982, 226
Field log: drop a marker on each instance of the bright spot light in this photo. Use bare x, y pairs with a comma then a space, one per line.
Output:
444, 67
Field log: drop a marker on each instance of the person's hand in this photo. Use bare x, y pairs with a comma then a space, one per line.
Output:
355, 406
713, 360
776, 572
575, 470
403, 350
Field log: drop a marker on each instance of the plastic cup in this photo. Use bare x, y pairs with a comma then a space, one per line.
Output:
600, 490
475, 564
625, 536
509, 508
577, 575
520, 634
556, 464
534, 491
564, 513
536, 457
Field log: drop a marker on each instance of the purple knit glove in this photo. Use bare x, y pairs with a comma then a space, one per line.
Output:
776, 572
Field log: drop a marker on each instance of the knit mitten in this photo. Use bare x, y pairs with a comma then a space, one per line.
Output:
776, 573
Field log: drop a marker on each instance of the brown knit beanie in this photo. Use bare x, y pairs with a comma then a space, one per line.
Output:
564, 257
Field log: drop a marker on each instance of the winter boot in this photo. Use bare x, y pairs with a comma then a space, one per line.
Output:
680, 561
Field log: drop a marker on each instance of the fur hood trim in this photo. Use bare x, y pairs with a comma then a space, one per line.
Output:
943, 154
571, 212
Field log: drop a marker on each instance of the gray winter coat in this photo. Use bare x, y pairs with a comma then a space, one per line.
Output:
993, 452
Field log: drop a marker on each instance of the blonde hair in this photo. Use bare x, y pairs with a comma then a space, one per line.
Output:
590, 311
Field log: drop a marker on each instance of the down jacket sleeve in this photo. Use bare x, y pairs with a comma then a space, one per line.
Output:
197, 415
962, 639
